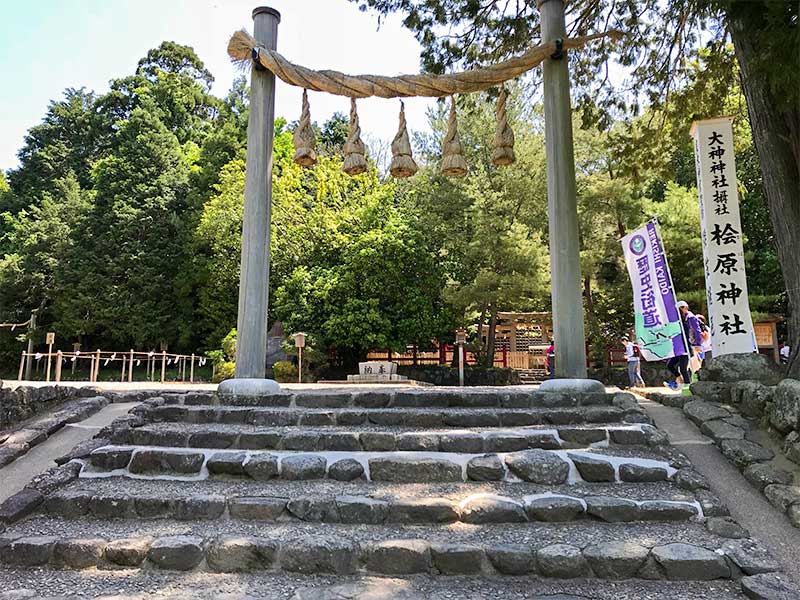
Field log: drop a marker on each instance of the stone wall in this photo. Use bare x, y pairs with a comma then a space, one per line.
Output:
22, 403
442, 375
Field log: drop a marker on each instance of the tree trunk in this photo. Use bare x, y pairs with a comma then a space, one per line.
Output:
587, 290
491, 338
776, 134
480, 325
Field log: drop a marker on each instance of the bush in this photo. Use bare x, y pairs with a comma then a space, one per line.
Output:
224, 370
284, 372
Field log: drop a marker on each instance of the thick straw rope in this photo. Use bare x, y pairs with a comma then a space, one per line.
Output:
355, 162
303, 139
503, 143
243, 48
402, 164
453, 162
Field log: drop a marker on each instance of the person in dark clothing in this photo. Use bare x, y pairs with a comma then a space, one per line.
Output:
550, 355
679, 365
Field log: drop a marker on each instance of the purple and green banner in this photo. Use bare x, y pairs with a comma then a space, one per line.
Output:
659, 333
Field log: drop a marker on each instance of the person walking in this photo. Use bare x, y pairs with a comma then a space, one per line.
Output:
550, 354
679, 365
634, 364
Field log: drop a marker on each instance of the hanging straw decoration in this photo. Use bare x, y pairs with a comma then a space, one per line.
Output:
402, 164
304, 154
453, 162
355, 162
503, 143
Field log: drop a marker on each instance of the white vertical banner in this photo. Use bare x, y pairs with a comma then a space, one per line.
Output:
721, 228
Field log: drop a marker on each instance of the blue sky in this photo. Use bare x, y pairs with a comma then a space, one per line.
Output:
46, 47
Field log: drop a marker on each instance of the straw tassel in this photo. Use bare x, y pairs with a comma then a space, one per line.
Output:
453, 162
503, 143
304, 154
402, 164
355, 162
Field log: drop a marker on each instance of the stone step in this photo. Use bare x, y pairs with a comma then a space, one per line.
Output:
419, 418
482, 508
440, 397
546, 467
372, 438
649, 551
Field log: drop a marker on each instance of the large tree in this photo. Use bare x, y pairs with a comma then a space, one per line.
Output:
660, 36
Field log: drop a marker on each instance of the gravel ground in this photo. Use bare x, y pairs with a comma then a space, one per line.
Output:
330, 488
577, 533
92, 583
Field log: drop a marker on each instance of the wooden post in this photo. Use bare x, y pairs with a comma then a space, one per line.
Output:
565, 265
29, 361
251, 355
163, 365
183, 368
122, 372
191, 371
49, 359
59, 360
130, 367
21, 365
97, 366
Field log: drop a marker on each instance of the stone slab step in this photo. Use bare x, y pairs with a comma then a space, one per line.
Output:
440, 397
334, 555
546, 467
358, 438
474, 508
420, 418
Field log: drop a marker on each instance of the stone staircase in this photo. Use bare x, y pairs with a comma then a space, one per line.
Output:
443, 487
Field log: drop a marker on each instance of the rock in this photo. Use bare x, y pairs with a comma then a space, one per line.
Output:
699, 411
231, 554
511, 559
763, 474
488, 467
553, 509
486, 508
110, 459
262, 467
562, 561
662, 510
711, 504
303, 466
742, 453
160, 461
791, 446
782, 496
372, 399
79, 553
28, 551
466, 443
422, 510
467, 418
751, 397
83, 449
376, 441
346, 469
54, 478
583, 437
212, 439
628, 437
635, 473
301, 440
418, 442
313, 508
245, 388
261, 508
593, 469
689, 479
31, 437
199, 507
793, 513
361, 509
411, 469
573, 386
129, 552
68, 503
750, 556
543, 440
457, 559
538, 466
686, 562
769, 586
20, 505
9, 453
258, 441
612, 509
150, 507
784, 411
719, 430
615, 560
399, 557
711, 390
112, 507
227, 463
736, 367
505, 442
176, 553
726, 527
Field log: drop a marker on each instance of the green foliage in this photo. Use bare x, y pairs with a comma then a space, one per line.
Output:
284, 372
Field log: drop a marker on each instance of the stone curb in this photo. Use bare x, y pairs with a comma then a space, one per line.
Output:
336, 556
475, 509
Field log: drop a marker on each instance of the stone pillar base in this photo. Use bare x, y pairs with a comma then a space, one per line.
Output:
248, 387
573, 386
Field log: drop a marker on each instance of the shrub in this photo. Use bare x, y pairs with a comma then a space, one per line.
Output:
224, 370
284, 372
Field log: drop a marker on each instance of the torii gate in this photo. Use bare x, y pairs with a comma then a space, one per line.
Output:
266, 63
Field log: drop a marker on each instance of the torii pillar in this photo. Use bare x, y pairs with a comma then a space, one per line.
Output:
251, 341
565, 260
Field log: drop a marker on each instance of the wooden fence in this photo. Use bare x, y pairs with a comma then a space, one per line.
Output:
127, 362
